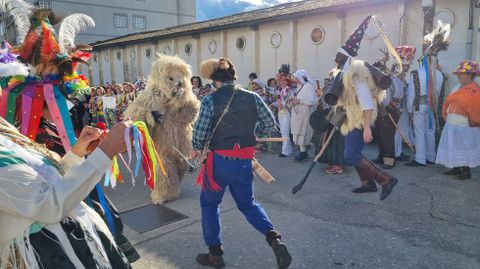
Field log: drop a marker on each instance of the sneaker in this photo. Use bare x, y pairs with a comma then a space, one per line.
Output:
334, 169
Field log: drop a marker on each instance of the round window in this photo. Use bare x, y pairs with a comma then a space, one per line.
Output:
148, 53
212, 46
119, 55
241, 43
107, 57
166, 50
132, 54
276, 39
317, 35
188, 48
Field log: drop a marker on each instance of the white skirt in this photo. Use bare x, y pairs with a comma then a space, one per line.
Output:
459, 143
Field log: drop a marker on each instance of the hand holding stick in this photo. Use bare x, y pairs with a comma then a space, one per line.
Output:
402, 135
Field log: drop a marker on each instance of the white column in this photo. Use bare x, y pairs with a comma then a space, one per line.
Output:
292, 28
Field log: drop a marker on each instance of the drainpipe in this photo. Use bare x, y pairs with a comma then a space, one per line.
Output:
401, 23
468, 45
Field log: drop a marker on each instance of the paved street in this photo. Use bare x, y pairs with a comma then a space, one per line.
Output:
429, 221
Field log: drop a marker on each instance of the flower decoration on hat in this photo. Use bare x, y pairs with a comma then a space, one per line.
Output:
467, 67
406, 53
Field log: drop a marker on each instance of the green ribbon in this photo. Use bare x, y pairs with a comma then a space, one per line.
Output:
12, 103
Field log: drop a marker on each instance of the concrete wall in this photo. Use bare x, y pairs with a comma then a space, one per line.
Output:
297, 48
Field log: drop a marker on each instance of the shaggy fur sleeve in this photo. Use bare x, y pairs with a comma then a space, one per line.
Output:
141, 108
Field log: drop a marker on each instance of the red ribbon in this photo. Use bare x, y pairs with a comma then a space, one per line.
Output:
37, 110
207, 167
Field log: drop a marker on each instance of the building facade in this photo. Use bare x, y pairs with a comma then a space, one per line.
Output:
115, 18
304, 34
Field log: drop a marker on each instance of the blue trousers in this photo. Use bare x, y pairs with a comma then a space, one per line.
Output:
238, 176
353, 147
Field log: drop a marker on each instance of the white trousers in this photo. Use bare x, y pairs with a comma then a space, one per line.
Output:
424, 135
404, 125
284, 121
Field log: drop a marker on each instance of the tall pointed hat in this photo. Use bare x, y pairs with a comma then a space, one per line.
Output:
351, 46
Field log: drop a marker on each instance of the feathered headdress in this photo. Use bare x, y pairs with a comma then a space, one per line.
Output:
284, 72
52, 59
438, 40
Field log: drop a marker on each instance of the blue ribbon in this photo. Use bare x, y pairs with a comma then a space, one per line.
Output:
67, 120
427, 79
138, 152
106, 209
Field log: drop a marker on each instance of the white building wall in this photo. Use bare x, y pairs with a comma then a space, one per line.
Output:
457, 50
105, 58
317, 59
272, 57
299, 50
132, 69
118, 65
244, 60
95, 76
191, 57
147, 60
387, 14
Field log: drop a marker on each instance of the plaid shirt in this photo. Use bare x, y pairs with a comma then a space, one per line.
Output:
204, 124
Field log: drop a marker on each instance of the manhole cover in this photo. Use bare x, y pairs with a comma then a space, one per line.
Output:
150, 217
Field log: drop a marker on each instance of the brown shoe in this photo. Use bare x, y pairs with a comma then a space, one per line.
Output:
281, 253
207, 259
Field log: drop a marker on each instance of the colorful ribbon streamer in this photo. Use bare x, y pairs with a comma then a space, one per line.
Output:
146, 155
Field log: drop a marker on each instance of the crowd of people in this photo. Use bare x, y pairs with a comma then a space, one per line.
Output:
104, 106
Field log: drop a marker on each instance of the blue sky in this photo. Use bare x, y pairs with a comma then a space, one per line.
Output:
210, 9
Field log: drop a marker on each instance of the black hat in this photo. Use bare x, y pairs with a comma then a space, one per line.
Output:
352, 44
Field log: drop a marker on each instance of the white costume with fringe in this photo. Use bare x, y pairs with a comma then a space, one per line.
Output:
423, 119
34, 193
360, 93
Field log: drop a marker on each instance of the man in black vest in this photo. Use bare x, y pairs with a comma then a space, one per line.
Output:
228, 121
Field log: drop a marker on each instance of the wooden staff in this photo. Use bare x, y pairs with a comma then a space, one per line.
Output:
317, 157
273, 139
402, 135
261, 172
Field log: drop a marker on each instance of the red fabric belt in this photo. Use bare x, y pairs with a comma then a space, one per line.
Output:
207, 168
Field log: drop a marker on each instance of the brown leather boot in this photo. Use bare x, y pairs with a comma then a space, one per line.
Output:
368, 185
370, 171
279, 249
213, 258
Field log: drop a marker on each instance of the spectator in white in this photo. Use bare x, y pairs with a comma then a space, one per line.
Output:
304, 103
284, 110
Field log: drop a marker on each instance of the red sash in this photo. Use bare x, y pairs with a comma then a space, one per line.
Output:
207, 168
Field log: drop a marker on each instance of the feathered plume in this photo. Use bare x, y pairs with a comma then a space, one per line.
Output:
20, 11
438, 39
69, 27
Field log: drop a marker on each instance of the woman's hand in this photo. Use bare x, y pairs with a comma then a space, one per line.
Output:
367, 134
114, 142
87, 136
